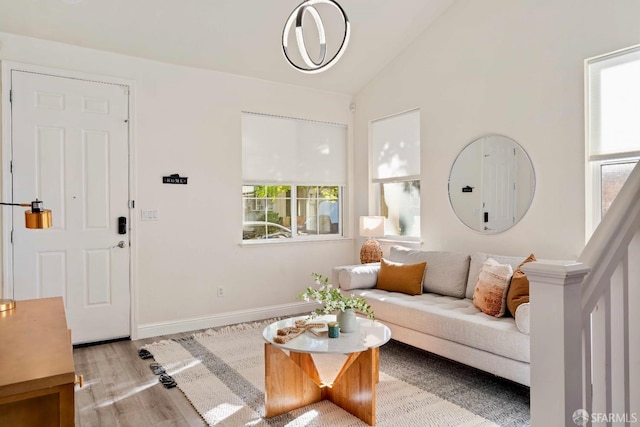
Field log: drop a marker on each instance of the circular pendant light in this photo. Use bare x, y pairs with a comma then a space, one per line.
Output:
309, 65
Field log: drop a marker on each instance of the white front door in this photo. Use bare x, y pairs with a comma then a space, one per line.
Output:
498, 183
70, 149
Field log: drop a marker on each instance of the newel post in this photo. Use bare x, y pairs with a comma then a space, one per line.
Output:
556, 341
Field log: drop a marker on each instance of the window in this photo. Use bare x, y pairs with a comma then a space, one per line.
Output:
613, 143
294, 173
612, 178
395, 172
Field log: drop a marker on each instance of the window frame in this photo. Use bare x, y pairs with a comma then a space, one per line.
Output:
377, 190
295, 237
595, 162
375, 184
594, 185
324, 175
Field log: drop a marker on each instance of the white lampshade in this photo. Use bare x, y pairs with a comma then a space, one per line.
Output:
372, 226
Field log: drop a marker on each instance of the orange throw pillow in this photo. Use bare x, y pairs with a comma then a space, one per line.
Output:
491, 290
519, 288
397, 277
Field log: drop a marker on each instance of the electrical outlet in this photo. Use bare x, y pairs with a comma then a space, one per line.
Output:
220, 291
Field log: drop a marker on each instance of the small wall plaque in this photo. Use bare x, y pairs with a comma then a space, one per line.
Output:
174, 179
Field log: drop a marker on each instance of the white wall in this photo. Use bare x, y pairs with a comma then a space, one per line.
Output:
493, 66
187, 121
508, 67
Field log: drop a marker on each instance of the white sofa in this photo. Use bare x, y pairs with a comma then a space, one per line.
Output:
443, 319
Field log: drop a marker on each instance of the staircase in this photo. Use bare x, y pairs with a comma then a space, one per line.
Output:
585, 325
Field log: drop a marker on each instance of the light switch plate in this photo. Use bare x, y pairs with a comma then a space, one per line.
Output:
150, 214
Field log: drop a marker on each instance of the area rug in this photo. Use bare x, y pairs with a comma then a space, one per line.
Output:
221, 372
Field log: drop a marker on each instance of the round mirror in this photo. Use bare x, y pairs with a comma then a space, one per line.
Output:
491, 184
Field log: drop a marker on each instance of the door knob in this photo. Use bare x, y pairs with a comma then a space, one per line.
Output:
120, 244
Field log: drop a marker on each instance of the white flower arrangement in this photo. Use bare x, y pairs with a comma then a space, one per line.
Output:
332, 299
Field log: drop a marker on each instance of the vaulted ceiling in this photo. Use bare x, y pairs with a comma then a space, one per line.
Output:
233, 36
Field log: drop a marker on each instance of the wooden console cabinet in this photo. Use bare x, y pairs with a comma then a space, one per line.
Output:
36, 365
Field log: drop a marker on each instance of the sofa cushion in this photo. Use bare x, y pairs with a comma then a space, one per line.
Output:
358, 277
452, 319
490, 295
398, 277
446, 272
477, 259
519, 288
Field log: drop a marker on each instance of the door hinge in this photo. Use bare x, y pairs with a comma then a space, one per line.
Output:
11, 238
10, 166
10, 95
132, 204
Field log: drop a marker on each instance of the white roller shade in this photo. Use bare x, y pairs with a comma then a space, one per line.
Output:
278, 149
614, 103
395, 146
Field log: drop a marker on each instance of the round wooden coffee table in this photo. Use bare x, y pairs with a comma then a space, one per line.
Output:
292, 380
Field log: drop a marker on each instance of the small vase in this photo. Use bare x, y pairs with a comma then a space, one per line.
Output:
347, 320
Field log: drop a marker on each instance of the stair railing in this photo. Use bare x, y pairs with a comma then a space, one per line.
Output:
585, 325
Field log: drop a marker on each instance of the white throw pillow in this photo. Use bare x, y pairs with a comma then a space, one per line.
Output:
359, 277
522, 318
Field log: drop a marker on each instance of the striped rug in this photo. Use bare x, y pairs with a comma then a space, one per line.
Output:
221, 372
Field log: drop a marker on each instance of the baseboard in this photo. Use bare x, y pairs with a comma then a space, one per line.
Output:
185, 325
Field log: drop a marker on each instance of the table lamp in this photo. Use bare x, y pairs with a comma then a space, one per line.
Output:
35, 218
370, 227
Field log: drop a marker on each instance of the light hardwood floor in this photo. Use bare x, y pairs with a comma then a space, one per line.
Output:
120, 390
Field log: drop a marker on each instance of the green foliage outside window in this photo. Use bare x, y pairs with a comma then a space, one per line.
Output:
270, 191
